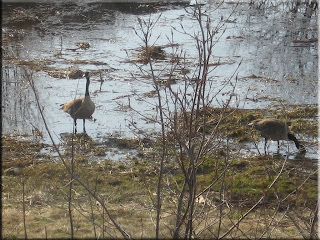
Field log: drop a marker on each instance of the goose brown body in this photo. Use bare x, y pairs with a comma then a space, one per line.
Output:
80, 108
274, 129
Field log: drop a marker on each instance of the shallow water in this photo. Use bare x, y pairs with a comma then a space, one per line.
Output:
262, 39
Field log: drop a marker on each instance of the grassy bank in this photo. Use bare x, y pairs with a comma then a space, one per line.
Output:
228, 186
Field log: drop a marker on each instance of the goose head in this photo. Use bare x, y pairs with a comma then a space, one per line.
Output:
87, 75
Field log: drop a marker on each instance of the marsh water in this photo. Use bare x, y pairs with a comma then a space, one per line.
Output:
276, 43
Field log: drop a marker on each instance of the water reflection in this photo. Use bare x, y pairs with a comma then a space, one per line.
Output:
18, 109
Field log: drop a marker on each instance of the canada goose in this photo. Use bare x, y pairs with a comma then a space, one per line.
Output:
80, 108
274, 129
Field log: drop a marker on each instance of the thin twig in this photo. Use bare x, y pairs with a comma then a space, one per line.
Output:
24, 211
115, 223
255, 205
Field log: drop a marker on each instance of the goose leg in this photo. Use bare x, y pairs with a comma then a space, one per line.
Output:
75, 126
84, 125
265, 146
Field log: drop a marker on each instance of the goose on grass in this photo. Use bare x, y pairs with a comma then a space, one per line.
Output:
276, 130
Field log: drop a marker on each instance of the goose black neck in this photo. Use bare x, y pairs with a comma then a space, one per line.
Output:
293, 138
87, 86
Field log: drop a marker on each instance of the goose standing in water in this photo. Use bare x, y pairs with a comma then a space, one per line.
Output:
274, 129
80, 108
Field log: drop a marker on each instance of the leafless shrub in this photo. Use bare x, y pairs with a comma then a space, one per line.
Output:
70, 170
24, 210
182, 113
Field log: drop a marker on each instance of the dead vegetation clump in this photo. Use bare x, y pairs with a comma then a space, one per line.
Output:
21, 152
151, 53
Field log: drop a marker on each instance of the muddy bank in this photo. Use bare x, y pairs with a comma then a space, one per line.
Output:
129, 187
